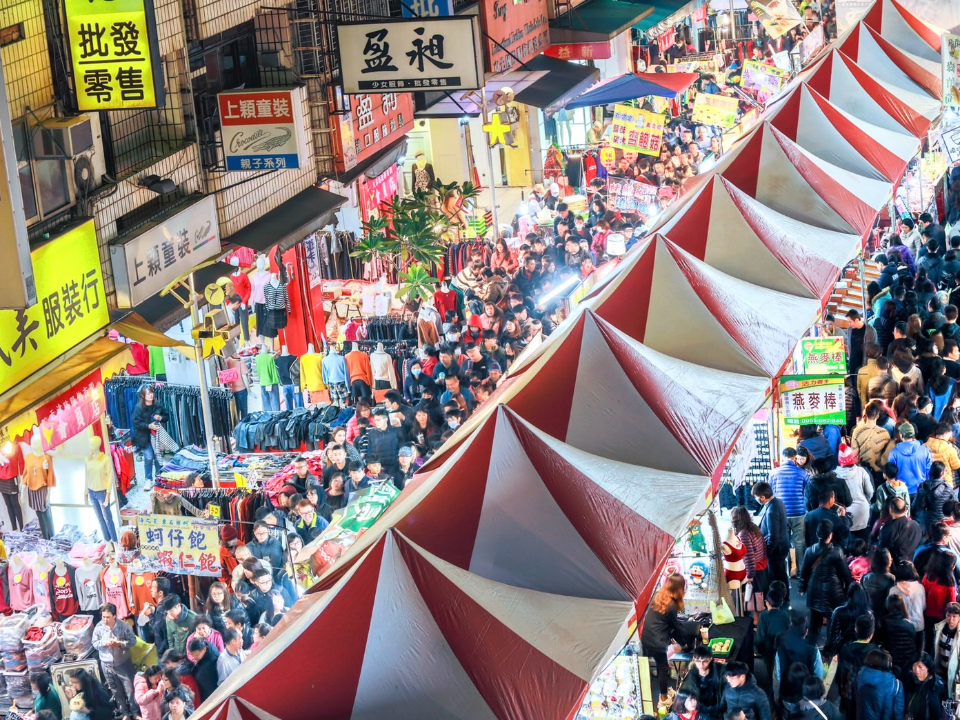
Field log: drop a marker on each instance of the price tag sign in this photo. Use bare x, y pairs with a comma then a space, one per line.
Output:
240, 480
214, 511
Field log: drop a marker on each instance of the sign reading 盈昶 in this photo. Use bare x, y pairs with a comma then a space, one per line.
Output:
436, 54
263, 129
181, 545
115, 54
372, 122
813, 400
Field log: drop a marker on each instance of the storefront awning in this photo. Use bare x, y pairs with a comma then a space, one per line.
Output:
375, 165
662, 19
139, 330
599, 20
544, 82
630, 87
17, 406
291, 221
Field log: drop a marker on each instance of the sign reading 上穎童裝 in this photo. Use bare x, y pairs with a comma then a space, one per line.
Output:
115, 54
422, 54
263, 129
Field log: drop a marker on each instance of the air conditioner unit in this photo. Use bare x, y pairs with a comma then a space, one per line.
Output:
59, 137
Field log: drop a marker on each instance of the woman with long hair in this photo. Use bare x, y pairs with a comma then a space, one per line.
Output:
95, 695
422, 431
503, 257
147, 420
842, 627
661, 628
686, 706
219, 602
755, 559
492, 317
940, 589
148, 692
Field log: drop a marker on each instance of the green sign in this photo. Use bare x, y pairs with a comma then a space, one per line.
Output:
823, 356
813, 400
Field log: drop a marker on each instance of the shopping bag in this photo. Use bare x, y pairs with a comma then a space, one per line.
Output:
722, 615
143, 654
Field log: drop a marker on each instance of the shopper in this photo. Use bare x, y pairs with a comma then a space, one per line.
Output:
776, 533
901, 535
661, 629
925, 690
231, 657
743, 694
879, 694
148, 691
912, 459
824, 577
860, 488
705, 681
45, 697
931, 496
113, 641
843, 621
899, 636
94, 694
755, 559
147, 421
788, 483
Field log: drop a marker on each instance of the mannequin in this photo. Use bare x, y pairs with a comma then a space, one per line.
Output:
445, 301
288, 369
64, 595
733, 566
11, 467
258, 281
360, 373
311, 376
41, 583
89, 590
115, 587
239, 386
39, 476
423, 176
242, 287
335, 376
269, 380
276, 307
384, 374
100, 482
428, 325
20, 577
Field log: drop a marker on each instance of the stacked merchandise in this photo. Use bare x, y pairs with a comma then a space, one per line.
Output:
186, 461
749, 463
77, 632
287, 430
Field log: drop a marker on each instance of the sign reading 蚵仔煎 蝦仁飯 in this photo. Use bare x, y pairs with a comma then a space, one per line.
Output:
422, 54
263, 129
181, 545
71, 306
115, 54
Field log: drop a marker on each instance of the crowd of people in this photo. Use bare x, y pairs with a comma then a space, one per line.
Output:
863, 517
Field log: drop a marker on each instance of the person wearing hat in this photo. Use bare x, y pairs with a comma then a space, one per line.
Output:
285, 500
859, 486
912, 459
495, 372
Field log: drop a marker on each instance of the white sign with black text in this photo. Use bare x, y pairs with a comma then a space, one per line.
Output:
145, 264
419, 54
950, 142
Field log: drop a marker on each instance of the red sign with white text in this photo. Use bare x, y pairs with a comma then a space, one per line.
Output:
580, 51
374, 121
520, 27
381, 189
71, 411
665, 40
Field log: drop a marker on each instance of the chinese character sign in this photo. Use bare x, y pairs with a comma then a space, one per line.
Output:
181, 545
633, 196
71, 412
426, 8
71, 306
812, 400
373, 122
438, 54
374, 192
263, 129
950, 50
637, 130
115, 54
823, 356
515, 31
765, 80
146, 263
950, 142
580, 51
776, 16
716, 110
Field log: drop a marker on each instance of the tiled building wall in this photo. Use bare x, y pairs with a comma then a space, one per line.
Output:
216, 17
26, 63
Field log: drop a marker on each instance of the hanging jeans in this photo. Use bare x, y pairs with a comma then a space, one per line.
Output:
240, 396
150, 461
45, 518
270, 397
292, 396
98, 498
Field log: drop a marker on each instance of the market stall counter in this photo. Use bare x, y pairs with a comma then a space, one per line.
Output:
740, 631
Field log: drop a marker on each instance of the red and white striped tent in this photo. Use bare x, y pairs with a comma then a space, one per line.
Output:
503, 578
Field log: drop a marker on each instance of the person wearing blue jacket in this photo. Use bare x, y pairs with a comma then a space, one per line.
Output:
912, 459
879, 694
788, 483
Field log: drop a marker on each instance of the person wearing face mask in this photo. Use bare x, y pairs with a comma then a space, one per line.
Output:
415, 383
454, 418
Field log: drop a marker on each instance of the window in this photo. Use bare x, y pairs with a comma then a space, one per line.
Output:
44, 184
11, 34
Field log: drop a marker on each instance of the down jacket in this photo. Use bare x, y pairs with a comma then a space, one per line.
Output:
824, 577
928, 506
879, 695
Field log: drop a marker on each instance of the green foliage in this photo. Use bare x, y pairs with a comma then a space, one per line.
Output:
416, 283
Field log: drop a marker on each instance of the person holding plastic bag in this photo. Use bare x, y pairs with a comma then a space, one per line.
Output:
663, 635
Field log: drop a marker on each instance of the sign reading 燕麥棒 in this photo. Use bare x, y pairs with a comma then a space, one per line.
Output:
181, 545
813, 400
263, 129
115, 54
823, 356
423, 54
71, 306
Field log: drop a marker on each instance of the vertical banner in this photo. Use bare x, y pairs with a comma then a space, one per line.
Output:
951, 70
71, 412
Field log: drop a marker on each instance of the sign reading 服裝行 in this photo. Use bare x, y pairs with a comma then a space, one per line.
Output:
115, 54
386, 55
950, 50
515, 31
638, 130
145, 264
823, 356
71, 306
813, 400
716, 110
181, 545
263, 129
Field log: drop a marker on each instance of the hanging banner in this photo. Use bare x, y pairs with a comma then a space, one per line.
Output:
823, 356
514, 32
637, 130
813, 400
950, 142
71, 412
385, 55
933, 165
950, 50
580, 51
633, 196
374, 192
115, 54
665, 40
776, 16
608, 157
372, 122
764, 80
812, 44
72, 306
263, 129
181, 545
718, 110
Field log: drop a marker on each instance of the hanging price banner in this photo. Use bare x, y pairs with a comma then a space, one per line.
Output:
608, 157
637, 130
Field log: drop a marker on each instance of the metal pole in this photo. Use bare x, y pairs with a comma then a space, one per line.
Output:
204, 390
493, 180
863, 285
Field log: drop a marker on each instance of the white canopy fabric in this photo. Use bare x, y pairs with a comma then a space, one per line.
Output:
506, 574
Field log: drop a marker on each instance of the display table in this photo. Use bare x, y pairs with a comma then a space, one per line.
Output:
740, 631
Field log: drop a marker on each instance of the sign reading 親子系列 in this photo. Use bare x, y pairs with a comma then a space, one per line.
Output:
516, 32
115, 54
387, 55
263, 129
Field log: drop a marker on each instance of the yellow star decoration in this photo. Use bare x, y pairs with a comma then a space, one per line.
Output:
496, 130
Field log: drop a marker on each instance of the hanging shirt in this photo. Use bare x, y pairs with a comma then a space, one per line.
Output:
334, 369
64, 600
21, 587
140, 590
358, 365
158, 366
141, 359
284, 363
88, 589
35, 475
99, 475
382, 365
234, 363
258, 281
41, 588
267, 370
241, 286
311, 373
275, 297
444, 301
115, 589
